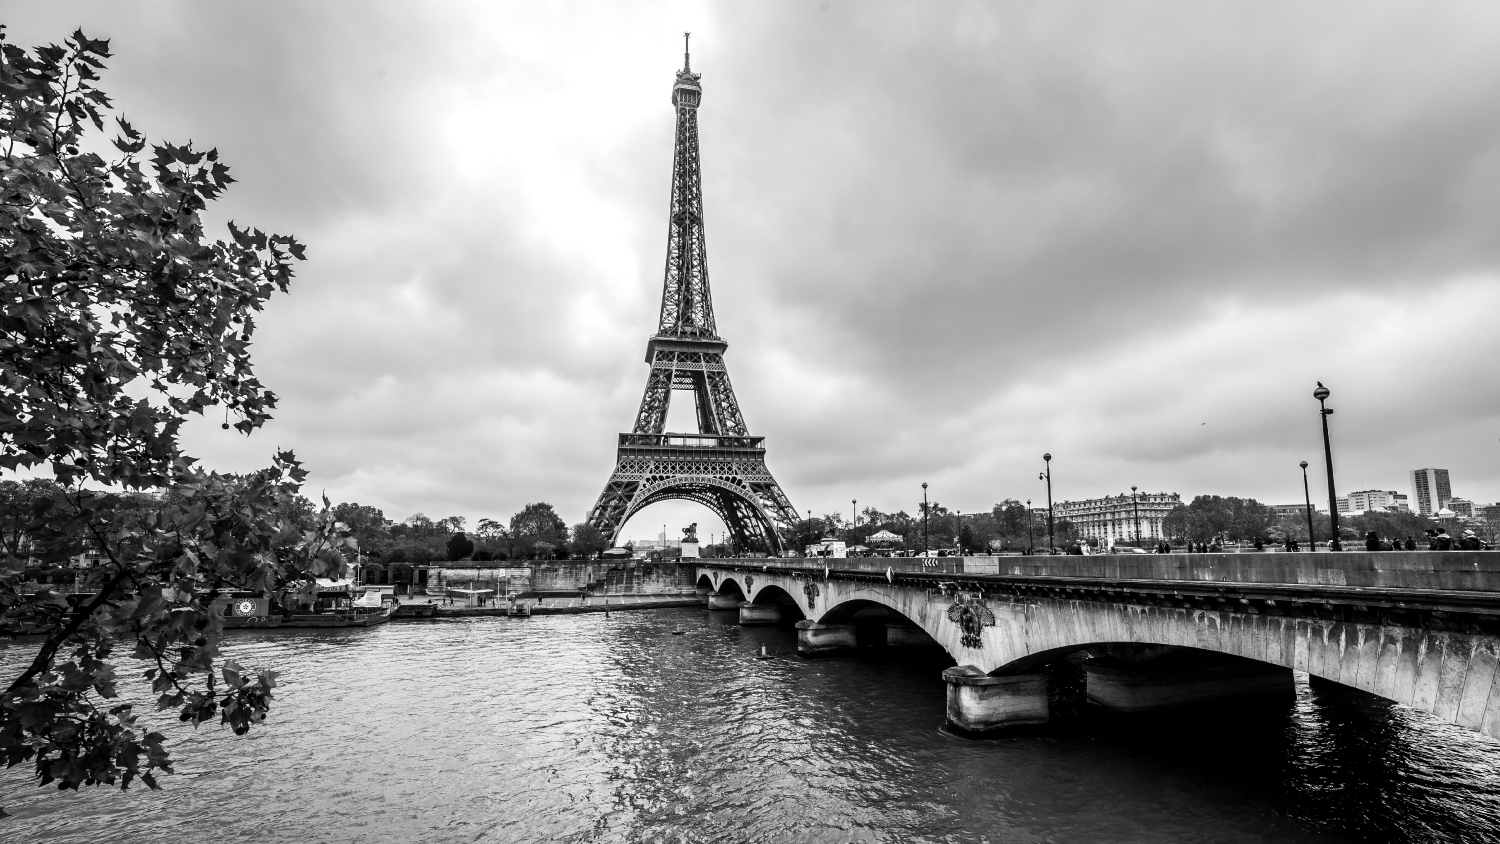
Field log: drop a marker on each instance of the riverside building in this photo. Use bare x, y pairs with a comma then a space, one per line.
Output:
1112, 518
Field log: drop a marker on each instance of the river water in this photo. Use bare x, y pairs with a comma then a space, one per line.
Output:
592, 728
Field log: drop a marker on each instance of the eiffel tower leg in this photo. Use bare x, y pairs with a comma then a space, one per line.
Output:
652, 418
613, 507
719, 395
744, 524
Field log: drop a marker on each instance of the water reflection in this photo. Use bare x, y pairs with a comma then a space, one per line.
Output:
587, 728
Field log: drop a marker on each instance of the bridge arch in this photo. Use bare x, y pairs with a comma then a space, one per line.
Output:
731, 585
770, 594
739, 508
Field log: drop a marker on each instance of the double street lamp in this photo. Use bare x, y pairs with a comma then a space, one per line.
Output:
1324, 411
1047, 476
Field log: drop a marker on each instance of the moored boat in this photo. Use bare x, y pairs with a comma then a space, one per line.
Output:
334, 606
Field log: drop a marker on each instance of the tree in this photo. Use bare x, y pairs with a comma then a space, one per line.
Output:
420, 526
118, 320
460, 546
588, 539
966, 539
1208, 517
537, 523
1010, 518
368, 525
26, 509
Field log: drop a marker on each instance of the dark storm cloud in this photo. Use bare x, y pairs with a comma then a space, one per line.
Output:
943, 237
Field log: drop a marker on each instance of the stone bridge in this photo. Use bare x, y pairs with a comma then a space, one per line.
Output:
1419, 628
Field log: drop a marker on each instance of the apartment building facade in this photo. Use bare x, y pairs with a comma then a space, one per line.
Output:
1112, 518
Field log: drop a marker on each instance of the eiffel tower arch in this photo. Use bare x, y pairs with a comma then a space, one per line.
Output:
721, 466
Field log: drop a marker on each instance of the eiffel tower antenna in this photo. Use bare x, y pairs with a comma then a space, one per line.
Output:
687, 62
721, 467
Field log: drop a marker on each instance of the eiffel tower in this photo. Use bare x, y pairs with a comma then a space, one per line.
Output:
721, 467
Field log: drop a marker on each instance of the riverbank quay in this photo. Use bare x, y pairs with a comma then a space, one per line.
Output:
552, 606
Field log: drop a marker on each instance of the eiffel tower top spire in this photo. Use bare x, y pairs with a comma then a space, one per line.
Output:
686, 306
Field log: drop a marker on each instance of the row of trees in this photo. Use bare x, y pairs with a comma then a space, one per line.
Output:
534, 532
1006, 526
1210, 517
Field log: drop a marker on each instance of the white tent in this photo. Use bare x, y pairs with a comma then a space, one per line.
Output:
883, 536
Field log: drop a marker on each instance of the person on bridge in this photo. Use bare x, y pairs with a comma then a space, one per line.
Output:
1470, 542
1372, 541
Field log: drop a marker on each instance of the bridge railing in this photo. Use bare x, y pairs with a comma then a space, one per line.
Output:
1459, 571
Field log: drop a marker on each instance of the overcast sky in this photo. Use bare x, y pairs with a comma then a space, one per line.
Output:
943, 238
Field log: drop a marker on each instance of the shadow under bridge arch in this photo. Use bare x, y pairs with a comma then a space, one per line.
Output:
749, 523
876, 624
772, 595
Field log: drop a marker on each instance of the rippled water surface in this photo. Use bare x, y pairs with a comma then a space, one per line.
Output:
593, 728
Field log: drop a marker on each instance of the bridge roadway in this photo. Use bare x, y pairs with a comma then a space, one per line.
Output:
1151, 631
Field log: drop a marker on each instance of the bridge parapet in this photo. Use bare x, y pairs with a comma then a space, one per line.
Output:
1459, 571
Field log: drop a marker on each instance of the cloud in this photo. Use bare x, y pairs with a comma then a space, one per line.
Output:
943, 238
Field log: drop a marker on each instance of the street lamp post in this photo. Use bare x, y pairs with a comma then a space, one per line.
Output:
1312, 539
1137, 507
1321, 394
924, 519
853, 517
1030, 540
1047, 476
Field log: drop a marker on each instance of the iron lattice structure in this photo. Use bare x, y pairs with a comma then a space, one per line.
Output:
721, 467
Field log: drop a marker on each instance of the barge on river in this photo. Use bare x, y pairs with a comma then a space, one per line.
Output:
334, 606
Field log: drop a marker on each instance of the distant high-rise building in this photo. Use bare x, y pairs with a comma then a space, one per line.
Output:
1430, 490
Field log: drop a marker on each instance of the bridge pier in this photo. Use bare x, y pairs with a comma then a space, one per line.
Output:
723, 600
758, 614
979, 702
1122, 686
815, 639
702, 594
